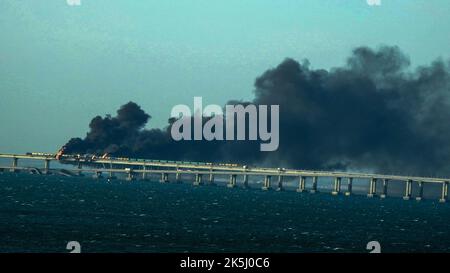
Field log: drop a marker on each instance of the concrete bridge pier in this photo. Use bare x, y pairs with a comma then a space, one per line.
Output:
111, 176
164, 178
372, 188
80, 167
198, 179
408, 190
385, 187
444, 194
144, 174
280, 183
349, 186
211, 179
232, 182
245, 181
178, 177
130, 175
15, 163
266, 185
301, 184
97, 175
419, 198
337, 186
46, 166
314, 185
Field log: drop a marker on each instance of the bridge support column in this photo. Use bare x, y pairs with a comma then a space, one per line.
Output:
164, 178
47, 166
420, 196
198, 179
111, 175
372, 188
280, 183
266, 185
177, 177
80, 167
349, 186
444, 194
232, 182
211, 179
408, 190
314, 185
301, 184
337, 186
15, 163
130, 176
97, 175
245, 181
144, 173
385, 187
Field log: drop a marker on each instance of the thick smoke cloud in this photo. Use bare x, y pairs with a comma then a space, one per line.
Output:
374, 113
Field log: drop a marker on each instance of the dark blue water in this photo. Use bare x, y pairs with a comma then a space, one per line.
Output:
43, 213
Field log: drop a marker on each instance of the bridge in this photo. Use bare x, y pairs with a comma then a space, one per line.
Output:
205, 173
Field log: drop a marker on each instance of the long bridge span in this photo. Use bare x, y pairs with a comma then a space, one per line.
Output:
205, 173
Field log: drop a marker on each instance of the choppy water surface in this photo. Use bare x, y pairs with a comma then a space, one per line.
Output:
43, 213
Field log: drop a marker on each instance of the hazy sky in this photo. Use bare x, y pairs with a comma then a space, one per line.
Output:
61, 65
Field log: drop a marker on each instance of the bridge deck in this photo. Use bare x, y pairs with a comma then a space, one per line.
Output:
207, 168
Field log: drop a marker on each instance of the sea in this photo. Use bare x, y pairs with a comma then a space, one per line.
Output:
43, 214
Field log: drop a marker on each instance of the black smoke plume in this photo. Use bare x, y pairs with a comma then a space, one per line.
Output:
374, 113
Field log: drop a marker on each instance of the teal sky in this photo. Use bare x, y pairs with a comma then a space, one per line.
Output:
61, 65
